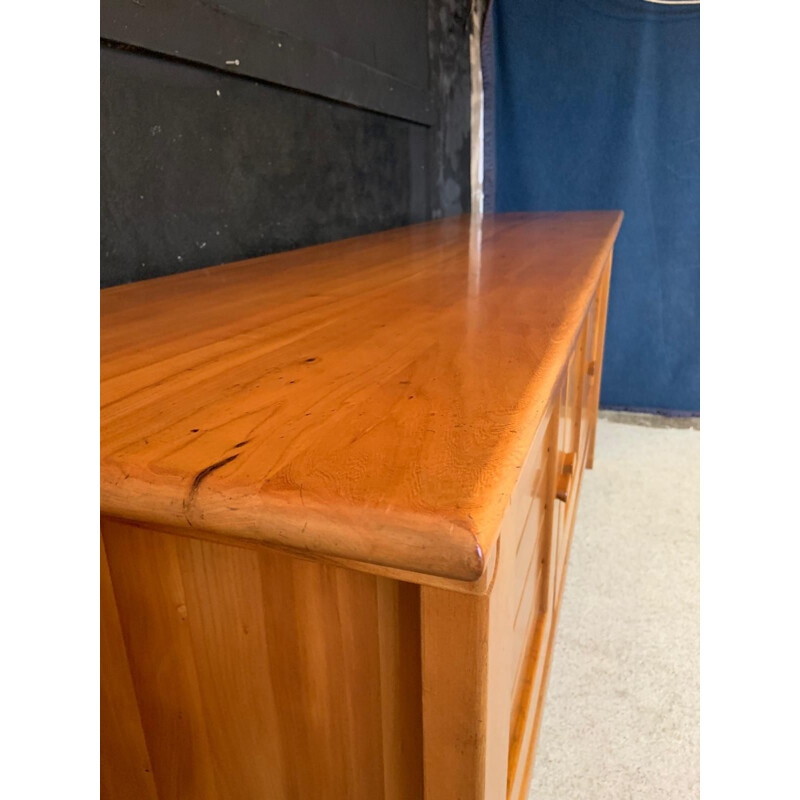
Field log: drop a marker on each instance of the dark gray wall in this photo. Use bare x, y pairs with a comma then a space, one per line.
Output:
204, 162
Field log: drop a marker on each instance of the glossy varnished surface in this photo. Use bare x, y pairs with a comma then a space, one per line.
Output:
371, 399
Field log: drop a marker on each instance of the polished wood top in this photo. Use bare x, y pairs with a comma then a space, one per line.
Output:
371, 399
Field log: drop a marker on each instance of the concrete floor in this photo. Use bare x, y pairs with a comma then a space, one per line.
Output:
622, 713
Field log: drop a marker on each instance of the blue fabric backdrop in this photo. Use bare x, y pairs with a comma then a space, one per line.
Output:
597, 107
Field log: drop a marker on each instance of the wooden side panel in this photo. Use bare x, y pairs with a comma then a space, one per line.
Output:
230, 650
145, 571
125, 770
259, 674
466, 685
324, 624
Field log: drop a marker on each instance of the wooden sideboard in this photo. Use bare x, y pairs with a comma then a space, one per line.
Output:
338, 487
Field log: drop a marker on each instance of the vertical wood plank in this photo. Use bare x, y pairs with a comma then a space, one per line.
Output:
125, 769
145, 571
227, 627
321, 626
401, 689
466, 686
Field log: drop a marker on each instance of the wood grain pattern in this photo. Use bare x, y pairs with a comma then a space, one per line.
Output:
261, 675
401, 688
125, 769
527, 715
466, 687
370, 399
529, 676
245, 657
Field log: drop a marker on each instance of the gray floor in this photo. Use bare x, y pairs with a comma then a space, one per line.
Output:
622, 713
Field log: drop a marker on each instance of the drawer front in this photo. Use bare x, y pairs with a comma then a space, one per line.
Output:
532, 572
546, 539
572, 397
587, 408
567, 408
529, 541
526, 708
530, 599
591, 329
566, 497
590, 370
537, 474
530, 479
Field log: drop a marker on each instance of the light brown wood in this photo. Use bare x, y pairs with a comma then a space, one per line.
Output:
466, 687
262, 675
530, 669
600, 339
125, 769
541, 655
399, 643
362, 655
566, 471
369, 399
